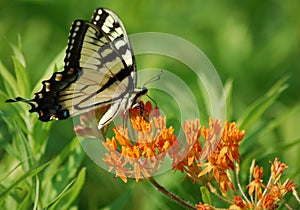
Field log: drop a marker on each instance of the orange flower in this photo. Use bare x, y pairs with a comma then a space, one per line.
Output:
225, 183
211, 137
239, 204
201, 206
257, 184
139, 150
221, 152
288, 186
277, 169
269, 200
188, 159
230, 141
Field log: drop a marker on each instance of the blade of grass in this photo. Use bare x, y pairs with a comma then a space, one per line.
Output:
65, 153
267, 127
255, 111
10, 172
25, 202
22, 78
65, 199
8, 79
64, 165
49, 70
228, 92
37, 194
28, 174
17, 52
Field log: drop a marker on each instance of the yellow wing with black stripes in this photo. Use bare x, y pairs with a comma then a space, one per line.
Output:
99, 71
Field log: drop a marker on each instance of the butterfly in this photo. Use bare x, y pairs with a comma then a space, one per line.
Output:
99, 71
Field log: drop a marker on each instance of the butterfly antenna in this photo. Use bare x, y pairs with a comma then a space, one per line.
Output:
154, 79
18, 99
152, 100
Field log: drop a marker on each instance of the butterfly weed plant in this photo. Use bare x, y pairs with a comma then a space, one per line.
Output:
209, 156
210, 159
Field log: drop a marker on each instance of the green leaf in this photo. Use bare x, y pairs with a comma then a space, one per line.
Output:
17, 52
8, 79
255, 111
22, 78
28, 174
40, 136
20, 148
59, 159
62, 169
37, 192
228, 91
206, 198
10, 172
25, 203
65, 199
50, 69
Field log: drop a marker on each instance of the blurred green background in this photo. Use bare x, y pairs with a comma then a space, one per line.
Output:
254, 43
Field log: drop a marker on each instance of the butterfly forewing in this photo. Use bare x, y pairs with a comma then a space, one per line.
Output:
104, 65
115, 31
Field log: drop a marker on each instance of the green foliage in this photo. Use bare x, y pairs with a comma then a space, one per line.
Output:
28, 181
256, 110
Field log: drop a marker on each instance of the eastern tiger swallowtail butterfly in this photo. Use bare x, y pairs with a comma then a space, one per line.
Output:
99, 71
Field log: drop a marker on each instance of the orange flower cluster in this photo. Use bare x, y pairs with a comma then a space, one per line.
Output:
138, 150
206, 155
265, 196
219, 153
140, 155
262, 196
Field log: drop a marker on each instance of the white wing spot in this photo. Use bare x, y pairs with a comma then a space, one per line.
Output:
105, 29
119, 44
97, 18
110, 20
99, 11
127, 58
119, 30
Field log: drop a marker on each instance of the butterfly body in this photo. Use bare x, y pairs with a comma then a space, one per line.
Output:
99, 71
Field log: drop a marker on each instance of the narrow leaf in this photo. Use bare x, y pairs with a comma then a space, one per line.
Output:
54, 167
49, 70
28, 174
255, 111
206, 198
65, 199
22, 78
8, 79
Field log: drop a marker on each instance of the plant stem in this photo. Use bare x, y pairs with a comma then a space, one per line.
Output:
171, 195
